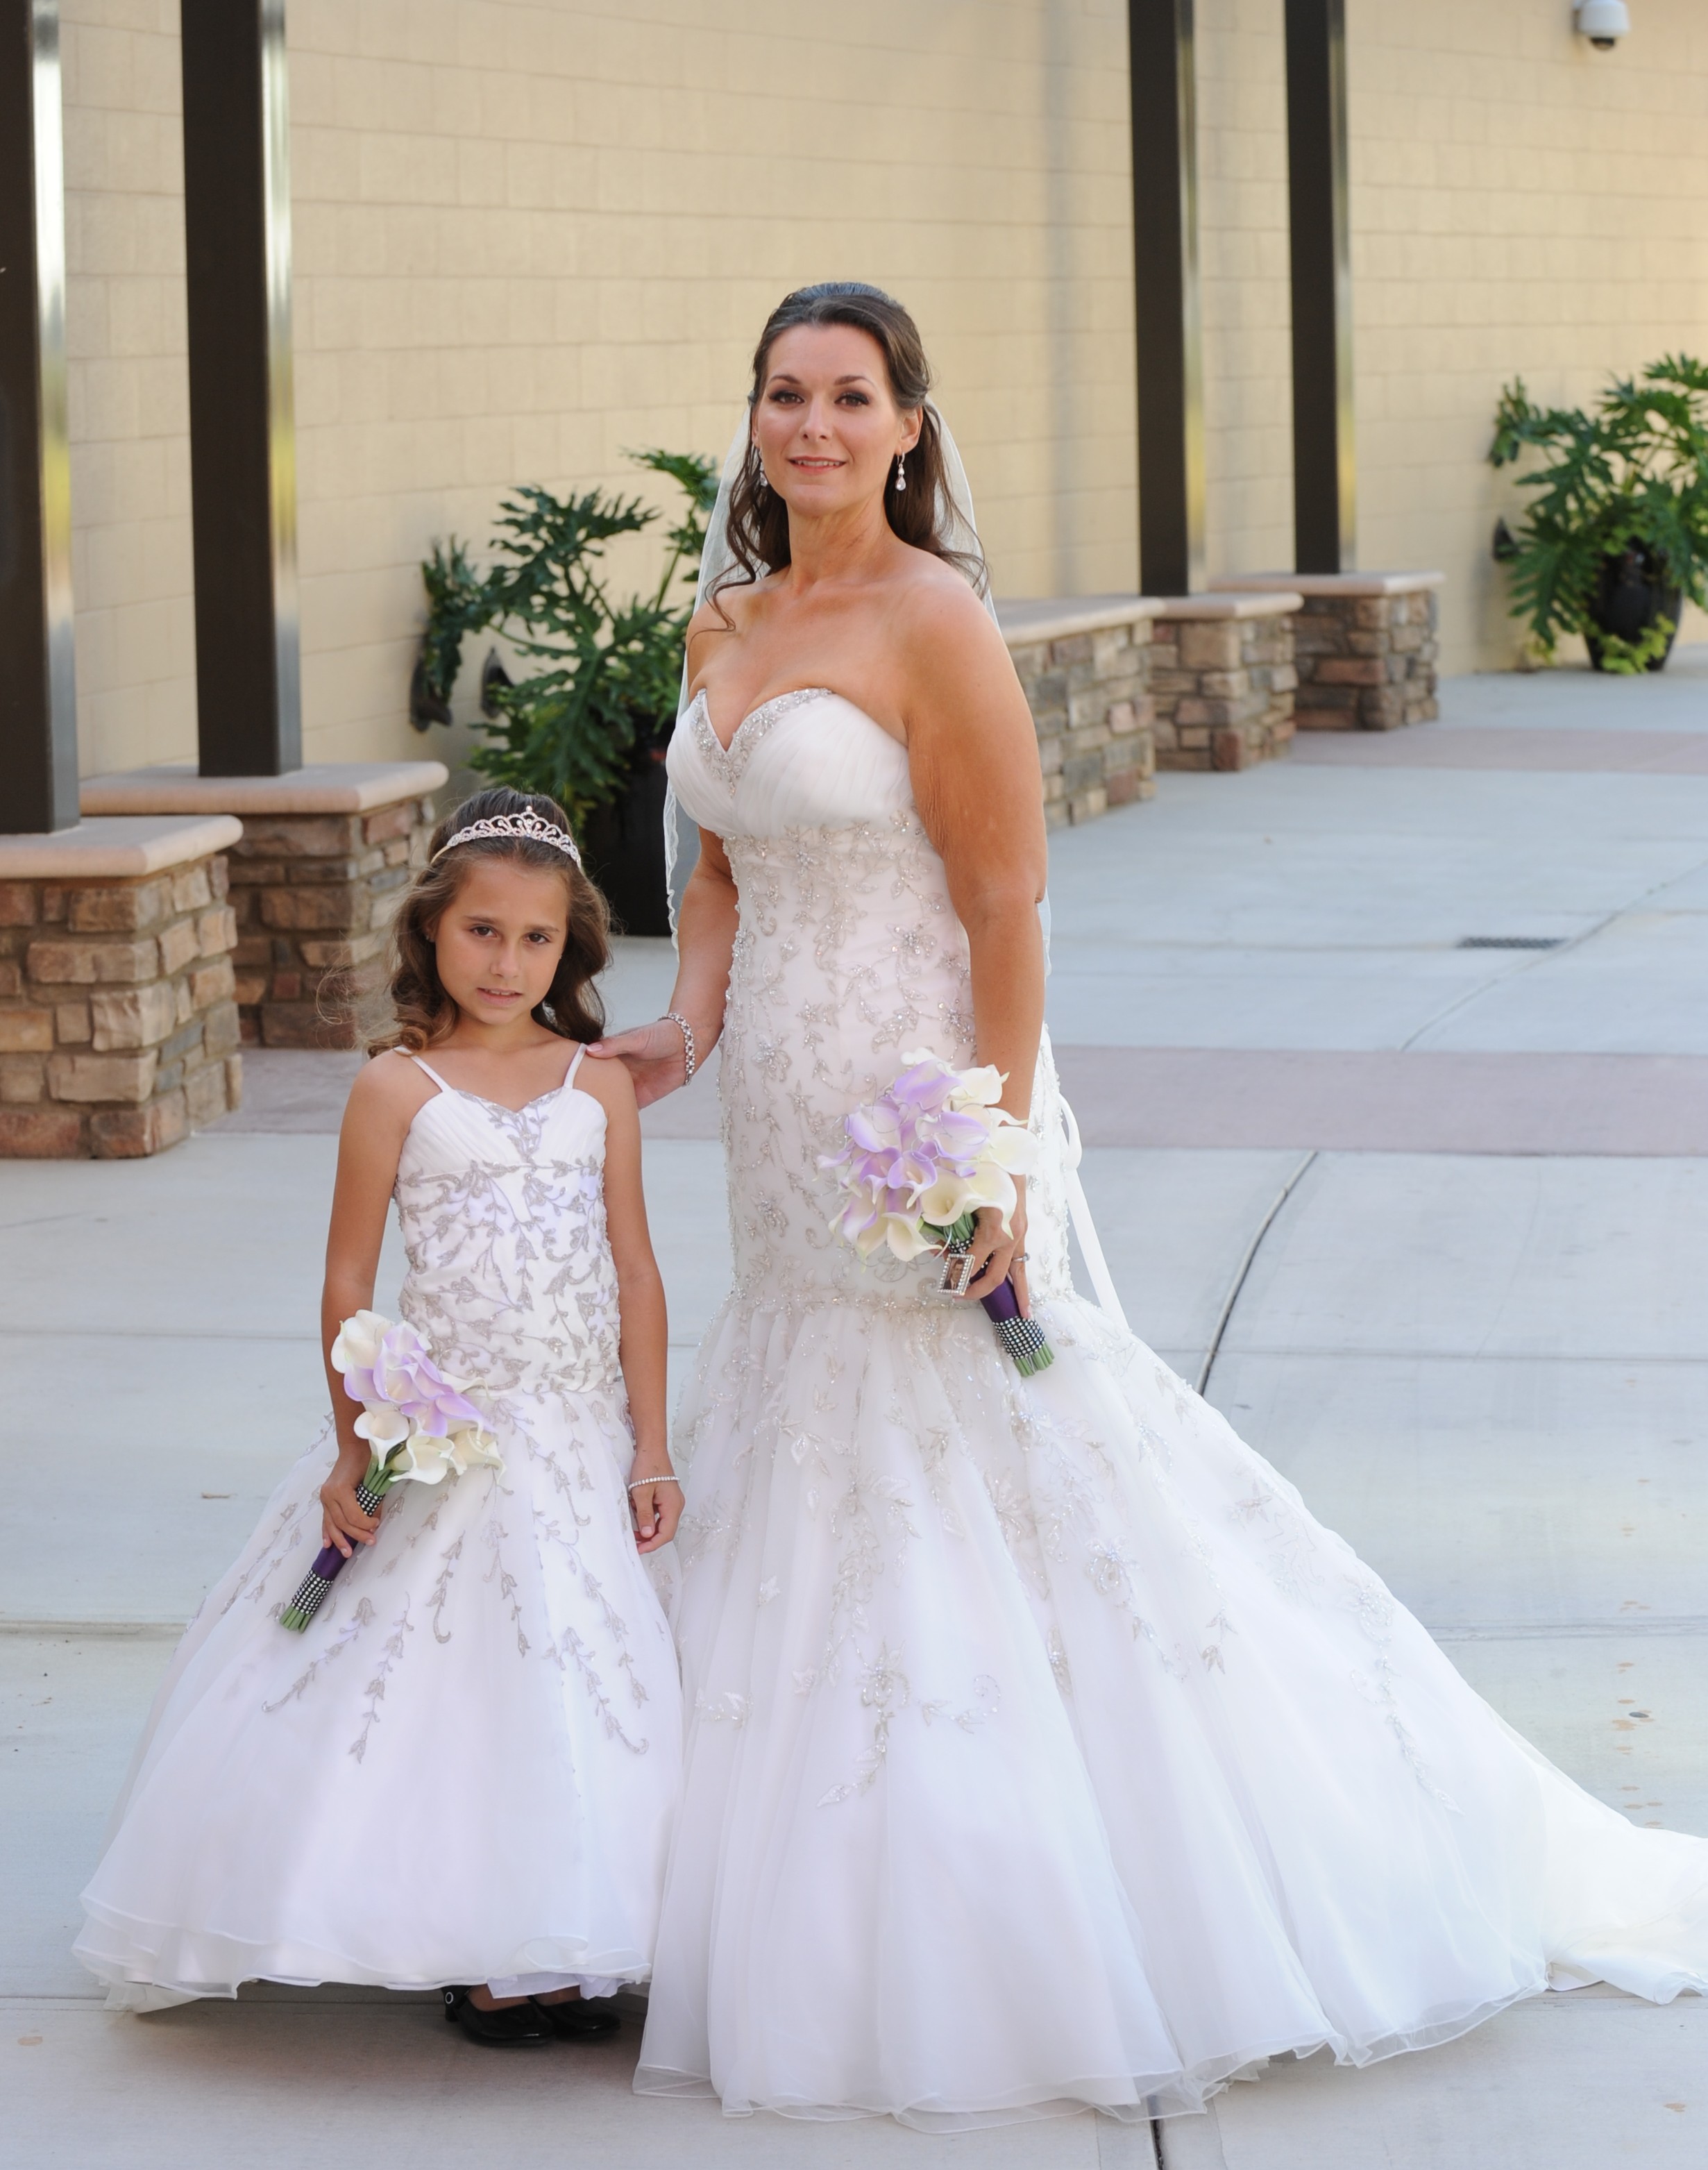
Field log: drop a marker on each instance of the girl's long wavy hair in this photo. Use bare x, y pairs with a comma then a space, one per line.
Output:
422, 1012
759, 519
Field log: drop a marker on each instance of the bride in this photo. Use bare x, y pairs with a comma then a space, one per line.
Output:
1043, 1751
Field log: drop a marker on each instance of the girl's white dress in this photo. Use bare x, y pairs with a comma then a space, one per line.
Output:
466, 1769
1042, 1749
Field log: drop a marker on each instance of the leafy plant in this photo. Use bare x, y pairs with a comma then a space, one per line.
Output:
1629, 476
605, 696
1644, 652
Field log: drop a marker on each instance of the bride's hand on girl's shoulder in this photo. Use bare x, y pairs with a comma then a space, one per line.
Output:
652, 1055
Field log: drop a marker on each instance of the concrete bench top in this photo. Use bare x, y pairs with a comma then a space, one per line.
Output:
1236, 603
327, 787
120, 848
1056, 618
1332, 584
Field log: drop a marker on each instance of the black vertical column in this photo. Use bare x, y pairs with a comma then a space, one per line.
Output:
1165, 296
236, 216
38, 690
1325, 461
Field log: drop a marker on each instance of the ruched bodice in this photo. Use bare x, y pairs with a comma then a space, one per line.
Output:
848, 954
503, 1217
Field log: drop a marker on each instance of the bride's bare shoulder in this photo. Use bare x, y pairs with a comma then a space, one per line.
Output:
936, 607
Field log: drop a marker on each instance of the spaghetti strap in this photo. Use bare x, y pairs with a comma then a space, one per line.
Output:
432, 1072
570, 1074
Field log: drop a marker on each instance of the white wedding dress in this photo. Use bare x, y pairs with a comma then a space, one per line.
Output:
1042, 1749
466, 1768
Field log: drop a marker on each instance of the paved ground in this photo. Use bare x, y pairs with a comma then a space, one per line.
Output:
1429, 1218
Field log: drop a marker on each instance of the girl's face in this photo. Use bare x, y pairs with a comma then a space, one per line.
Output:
498, 940
826, 422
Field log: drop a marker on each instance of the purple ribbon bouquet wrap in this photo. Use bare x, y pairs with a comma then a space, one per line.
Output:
921, 1160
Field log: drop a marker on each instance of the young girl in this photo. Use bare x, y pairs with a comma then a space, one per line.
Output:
461, 1775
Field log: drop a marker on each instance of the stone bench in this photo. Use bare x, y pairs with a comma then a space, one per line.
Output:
1365, 646
118, 1028
1222, 678
324, 855
1085, 665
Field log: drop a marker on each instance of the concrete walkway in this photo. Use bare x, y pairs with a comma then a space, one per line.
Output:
1429, 1220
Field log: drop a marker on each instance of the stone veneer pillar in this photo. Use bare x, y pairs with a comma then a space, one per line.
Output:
1084, 665
325, 855
1364, 644
1222, 679
118, 1025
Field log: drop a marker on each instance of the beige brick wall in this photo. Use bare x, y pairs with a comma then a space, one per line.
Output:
531, 237
1243, 266
531, 234
127, 392
1522, 205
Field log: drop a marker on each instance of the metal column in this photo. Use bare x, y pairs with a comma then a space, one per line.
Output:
236, 216
1325, 458
1165, 294
38, 689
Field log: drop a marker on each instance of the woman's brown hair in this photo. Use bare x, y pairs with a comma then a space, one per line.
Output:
422, 1014
759, 519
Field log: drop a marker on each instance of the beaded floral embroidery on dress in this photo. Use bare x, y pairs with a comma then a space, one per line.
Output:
496, 1662
1036, 1729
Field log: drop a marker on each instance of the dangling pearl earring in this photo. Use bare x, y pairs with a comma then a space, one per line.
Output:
901, 471
764, 484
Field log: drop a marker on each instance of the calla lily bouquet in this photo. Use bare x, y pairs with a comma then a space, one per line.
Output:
419, 1424
921, 1160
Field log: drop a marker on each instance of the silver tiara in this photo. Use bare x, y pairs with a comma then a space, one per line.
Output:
532, 827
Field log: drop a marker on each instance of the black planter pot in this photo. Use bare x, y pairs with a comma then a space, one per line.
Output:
1629, 597
623, 844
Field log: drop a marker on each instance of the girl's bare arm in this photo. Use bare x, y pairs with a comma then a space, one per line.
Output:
377, 1119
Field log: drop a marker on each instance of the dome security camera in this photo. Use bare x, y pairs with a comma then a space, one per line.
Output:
1603, 23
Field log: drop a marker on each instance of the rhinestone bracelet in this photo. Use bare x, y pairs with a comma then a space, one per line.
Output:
682, 1025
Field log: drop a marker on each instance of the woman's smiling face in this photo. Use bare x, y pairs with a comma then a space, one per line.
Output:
826, 422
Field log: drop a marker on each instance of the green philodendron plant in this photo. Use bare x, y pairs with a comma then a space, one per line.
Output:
605, 696
1626, 484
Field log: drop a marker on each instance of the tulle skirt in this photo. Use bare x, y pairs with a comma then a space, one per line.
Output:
465, 1771
1044, 1751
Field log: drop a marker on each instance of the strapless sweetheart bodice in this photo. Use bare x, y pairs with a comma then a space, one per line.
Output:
848, 955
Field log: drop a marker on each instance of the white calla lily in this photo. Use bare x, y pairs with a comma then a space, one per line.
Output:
993, 1186
1015, 1149
357, 1347
946, 1201
978, 1089
384, 1426
903, 1237
424, 1460
468, 1447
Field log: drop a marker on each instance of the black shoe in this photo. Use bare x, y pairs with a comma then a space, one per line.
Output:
576, 2019
514, 2027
